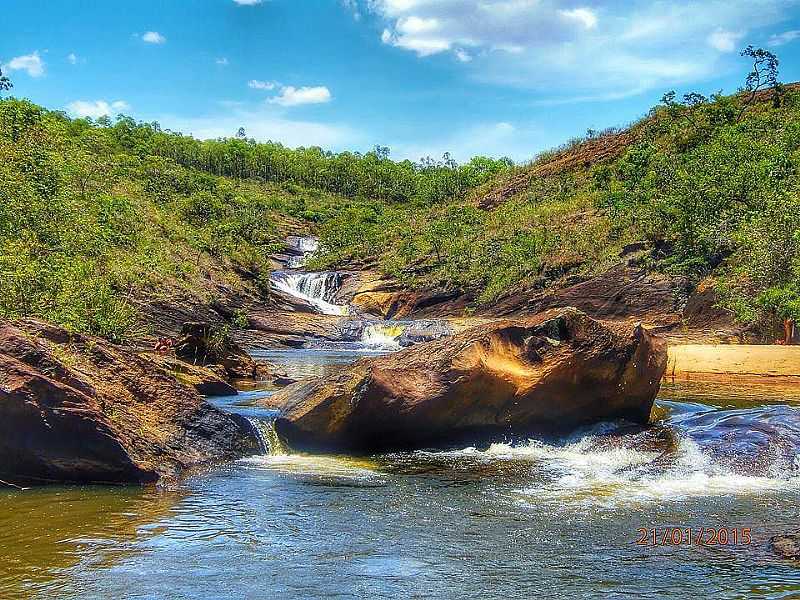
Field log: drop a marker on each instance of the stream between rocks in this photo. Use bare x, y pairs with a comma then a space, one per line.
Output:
535, 518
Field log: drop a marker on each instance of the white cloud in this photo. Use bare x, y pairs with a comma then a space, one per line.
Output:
153, 37
724, 41
261, 85
32, 64
248, 2
592, 49
72, 58
222, 62
291, 96
96, 108
584, 16
779, 39
415, 26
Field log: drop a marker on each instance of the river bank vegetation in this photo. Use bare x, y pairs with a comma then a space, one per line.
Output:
94, 214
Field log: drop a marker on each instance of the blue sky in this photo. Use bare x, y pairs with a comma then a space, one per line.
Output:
493, 77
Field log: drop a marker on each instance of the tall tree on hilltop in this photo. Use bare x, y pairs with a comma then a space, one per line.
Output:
763, 76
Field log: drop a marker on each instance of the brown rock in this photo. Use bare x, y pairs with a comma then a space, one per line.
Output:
78, 409
549, 373
624, 291
209, 381
203, 344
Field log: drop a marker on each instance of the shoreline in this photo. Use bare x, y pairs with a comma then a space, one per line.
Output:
764, 364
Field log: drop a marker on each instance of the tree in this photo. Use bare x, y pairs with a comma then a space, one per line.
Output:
763, 76
241, 134
5, 82
685, 107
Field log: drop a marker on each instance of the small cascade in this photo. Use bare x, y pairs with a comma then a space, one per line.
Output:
268, 439
383, 335
318, 289
303, 248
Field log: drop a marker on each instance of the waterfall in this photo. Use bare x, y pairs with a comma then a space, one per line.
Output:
305, 246
383, 335
318, 289
268, 439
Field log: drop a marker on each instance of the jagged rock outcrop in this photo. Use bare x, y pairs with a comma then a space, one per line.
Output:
549, 373
76, 408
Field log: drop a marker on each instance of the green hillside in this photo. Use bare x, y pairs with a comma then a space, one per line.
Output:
96, 214
709, 185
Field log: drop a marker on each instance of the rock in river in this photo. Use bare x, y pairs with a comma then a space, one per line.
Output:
544, 374
78, 409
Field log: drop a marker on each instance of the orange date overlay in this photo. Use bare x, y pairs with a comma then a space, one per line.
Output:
694, 536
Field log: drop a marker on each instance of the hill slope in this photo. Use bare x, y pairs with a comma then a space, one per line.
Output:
708, 190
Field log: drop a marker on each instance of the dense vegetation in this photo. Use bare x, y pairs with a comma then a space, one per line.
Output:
710, 183
95, 216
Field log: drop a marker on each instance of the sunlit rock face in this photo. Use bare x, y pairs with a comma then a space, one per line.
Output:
549, 373
76, 408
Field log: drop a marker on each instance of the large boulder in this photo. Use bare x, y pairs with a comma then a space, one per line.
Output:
79, 409
545, 374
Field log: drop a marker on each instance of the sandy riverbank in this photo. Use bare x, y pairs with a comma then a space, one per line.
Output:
722, 361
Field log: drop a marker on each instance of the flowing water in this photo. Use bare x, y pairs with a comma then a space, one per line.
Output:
316, 288
530, 518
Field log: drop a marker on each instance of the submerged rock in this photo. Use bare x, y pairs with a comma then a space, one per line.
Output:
786, 545
78, 409
549, 373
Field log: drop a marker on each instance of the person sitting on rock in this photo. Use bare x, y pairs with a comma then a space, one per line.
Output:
164, 345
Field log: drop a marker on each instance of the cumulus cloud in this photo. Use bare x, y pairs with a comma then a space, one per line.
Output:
780, 39
595, 48
222, 62
292, 96
32, 64
96, 108
72, 58
261, 85
724, 41
584, 16
153, 37
247, 2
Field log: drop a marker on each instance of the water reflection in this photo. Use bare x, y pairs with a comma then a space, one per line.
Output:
516, 518
46, 533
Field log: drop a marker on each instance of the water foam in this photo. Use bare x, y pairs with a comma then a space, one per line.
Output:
318, 289
593, 467
580, 472
383, 335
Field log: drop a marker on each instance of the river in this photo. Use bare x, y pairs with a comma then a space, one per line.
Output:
559, 518
549, 518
